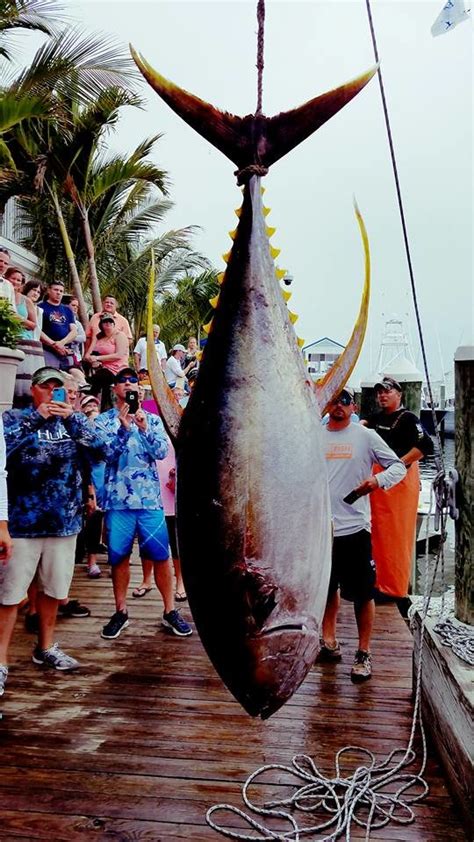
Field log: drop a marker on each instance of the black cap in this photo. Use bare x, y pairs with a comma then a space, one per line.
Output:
126, 370
388, 383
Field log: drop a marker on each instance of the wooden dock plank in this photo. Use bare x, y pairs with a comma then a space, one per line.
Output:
140, 742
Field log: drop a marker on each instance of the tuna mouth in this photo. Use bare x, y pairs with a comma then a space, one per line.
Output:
284, 627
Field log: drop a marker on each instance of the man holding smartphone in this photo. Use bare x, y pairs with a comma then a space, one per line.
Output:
135, 439
46, 446
351, 452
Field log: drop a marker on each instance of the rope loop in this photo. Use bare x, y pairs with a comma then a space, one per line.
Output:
372, 796
245, 174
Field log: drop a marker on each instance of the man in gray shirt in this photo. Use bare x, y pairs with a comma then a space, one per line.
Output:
351, 451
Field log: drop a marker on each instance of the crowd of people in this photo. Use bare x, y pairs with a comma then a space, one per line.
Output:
89, 468
79, 458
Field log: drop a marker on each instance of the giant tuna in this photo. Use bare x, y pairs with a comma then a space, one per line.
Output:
254, 522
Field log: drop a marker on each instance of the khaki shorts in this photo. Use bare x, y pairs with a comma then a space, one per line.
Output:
51, 558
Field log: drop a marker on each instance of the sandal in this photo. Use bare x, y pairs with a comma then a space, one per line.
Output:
139, 592
180, 596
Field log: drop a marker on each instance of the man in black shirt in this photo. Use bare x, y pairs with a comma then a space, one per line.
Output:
394, 512
399, 428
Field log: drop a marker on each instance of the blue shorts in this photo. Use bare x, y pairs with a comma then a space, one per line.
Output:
148, 525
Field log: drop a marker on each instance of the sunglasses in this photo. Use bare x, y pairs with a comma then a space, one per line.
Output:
345, 400
128, 378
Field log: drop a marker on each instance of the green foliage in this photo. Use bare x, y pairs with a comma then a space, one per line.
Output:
186, 308
11, 328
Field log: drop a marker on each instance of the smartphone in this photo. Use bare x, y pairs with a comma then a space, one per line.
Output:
351, 497
59, 395
132, 399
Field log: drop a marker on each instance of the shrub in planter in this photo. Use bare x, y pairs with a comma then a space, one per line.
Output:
11, 328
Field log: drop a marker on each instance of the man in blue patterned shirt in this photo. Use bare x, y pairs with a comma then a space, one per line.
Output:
135, 439
47, 447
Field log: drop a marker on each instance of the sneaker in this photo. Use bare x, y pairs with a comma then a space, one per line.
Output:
3, 678
362, 667
73, 608
54, 657
94, 572
328, 653
32, 623
117, 622
175, 623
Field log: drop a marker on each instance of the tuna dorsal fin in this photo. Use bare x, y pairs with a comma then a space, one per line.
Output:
253, 139
170, 410
337, 376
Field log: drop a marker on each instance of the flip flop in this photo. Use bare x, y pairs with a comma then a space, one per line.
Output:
139, 592
180, 596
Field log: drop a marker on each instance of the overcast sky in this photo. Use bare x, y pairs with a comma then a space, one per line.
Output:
209, 48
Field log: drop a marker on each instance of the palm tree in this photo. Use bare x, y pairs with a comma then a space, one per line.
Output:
69, 74
184, 310
37, 15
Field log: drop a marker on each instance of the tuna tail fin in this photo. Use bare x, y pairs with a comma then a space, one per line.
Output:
170, 410
336, 378
255, 139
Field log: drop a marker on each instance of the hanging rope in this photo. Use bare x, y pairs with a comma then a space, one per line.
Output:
260, 48
439, 455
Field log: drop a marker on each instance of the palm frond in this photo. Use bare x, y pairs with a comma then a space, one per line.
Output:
77, 66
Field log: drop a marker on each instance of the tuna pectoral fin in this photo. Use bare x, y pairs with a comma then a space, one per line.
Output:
285, 131
170, 410
254, 139
337, 376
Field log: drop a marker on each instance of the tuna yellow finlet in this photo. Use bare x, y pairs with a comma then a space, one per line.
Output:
238, 212
213, 301
225, 257
270, 231
207, 328
286, 294
233, 234
220, 278
274, 252
280, 273
262, 190
300, 341
266, 211
293, 317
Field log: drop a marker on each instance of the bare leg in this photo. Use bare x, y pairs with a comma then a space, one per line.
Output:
330, 618
121, 581
164, 582
147, 579
180, 589
365, 613
47, 611
7, 623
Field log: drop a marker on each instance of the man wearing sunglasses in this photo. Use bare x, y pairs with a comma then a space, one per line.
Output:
394, 514
351, 452
135, 439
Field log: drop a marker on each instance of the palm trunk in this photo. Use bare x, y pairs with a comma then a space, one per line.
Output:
76, 281
93, 279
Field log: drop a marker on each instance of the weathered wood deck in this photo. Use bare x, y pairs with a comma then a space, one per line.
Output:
144, 738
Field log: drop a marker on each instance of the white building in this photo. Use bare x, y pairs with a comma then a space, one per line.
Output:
11, 232
321, 355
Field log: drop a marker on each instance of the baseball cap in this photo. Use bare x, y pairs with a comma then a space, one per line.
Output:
349, 391
89, 399
45, 373
107, 317
178, 347
126, 370
388, 383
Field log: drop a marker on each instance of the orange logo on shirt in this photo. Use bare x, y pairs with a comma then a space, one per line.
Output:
339, 451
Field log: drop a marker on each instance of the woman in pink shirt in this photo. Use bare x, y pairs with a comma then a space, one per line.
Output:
107, 354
